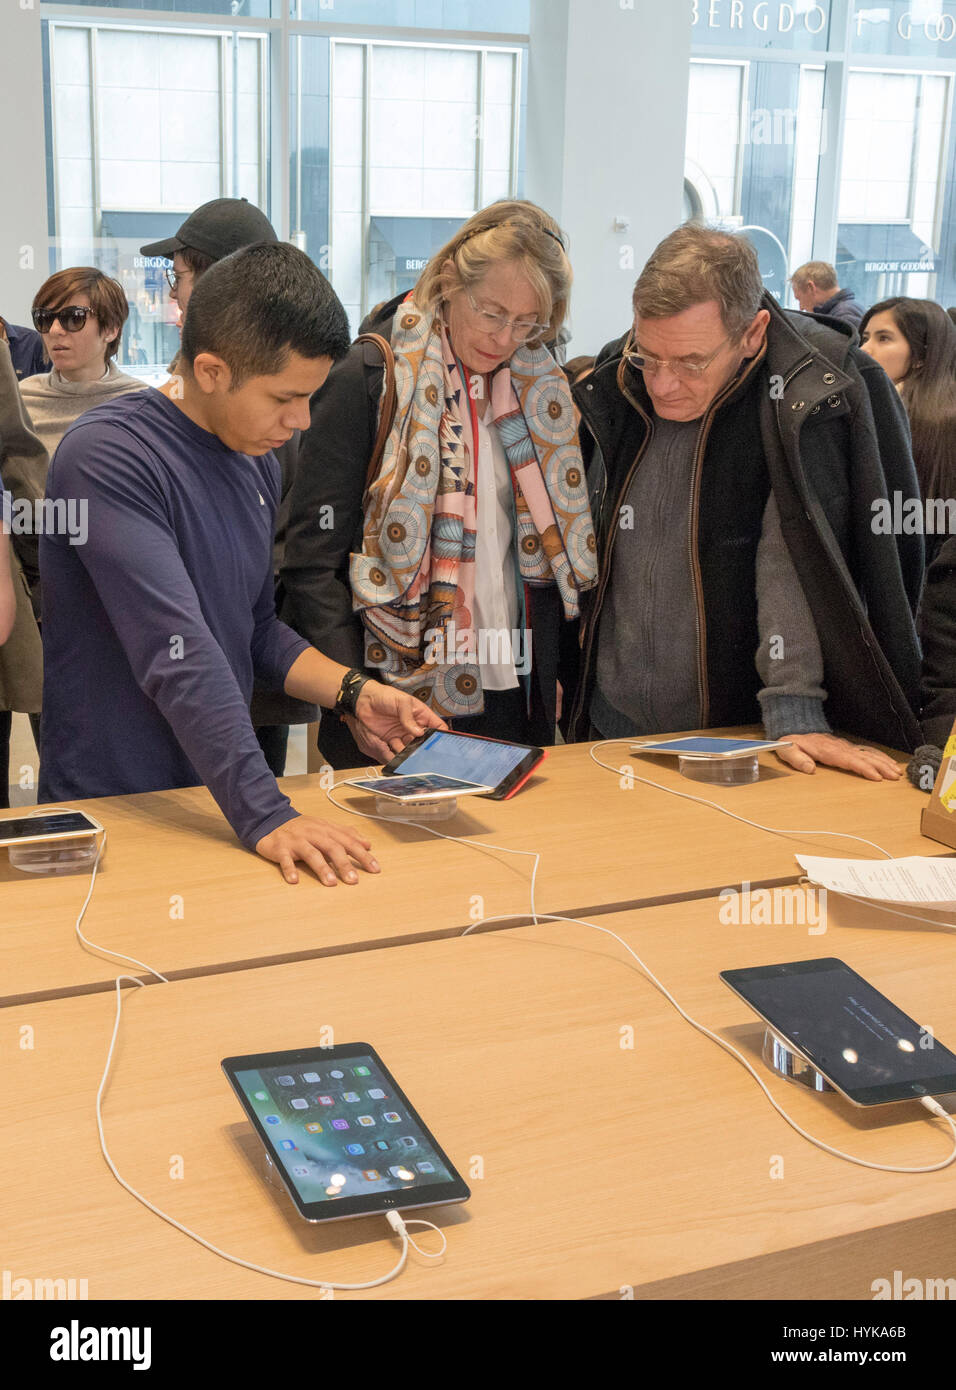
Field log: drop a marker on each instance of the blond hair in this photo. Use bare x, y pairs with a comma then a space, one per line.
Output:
697, 264
821, 273
510, 230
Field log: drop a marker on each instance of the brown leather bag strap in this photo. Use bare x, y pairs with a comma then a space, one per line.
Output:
387, 413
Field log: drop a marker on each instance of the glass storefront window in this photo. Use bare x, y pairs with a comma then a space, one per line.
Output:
489, 16
753, 135
767, 24
890, 189
757, 150
172, 119
309, 79
420, 138
905, 28
250, 9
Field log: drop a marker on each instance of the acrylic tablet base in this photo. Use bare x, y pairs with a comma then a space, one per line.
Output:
720, 772
55, 857
426, 811
780, 1058
271, 1175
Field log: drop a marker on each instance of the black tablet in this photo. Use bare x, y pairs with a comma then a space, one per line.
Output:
343, 1137
503, 766
866, 1047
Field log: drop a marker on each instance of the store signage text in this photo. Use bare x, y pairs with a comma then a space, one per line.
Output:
717, 13
782, 17
939, 28
924, 267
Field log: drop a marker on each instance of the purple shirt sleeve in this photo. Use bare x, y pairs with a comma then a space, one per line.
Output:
275, 647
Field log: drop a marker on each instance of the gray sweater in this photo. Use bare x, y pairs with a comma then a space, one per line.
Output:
647, 662
54, 403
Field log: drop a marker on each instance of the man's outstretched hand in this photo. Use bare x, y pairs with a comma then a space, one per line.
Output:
327, 849
810, 749
387, 719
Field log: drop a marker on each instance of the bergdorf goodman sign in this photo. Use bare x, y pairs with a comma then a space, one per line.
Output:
780, 17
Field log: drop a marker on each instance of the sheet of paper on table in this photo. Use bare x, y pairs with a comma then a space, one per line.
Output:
916, 880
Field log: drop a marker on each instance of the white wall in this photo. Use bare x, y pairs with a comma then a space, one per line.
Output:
23, 223
607, 114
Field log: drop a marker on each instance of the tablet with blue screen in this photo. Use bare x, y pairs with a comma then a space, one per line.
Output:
710, 747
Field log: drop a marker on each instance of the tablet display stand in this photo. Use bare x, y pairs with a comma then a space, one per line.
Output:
427, 811
76, 856
781, 1058
721, 772
271, 1174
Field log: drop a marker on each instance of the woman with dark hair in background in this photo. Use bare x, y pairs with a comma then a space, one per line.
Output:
914, 341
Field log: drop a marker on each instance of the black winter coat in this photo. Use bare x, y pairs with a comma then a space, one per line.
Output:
821, 423
938, 631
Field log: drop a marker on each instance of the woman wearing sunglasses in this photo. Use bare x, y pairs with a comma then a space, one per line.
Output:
79, 313
441, 541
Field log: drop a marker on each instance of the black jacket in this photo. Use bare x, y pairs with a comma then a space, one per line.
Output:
938, 631
819, 421
325, 526
274, 706
842, 306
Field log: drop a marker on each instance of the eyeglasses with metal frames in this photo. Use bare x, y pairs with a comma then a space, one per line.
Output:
491, 322
684, 370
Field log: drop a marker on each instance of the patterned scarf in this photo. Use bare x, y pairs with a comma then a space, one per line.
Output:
414, 581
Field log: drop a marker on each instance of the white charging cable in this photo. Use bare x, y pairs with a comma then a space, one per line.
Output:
700, 1027
771, 830
398, 1224
394, 1219
628, 771
483, 845
928, 1101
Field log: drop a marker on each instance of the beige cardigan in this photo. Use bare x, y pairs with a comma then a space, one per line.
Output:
23, 464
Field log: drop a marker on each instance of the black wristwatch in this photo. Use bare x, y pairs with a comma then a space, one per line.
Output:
347, 698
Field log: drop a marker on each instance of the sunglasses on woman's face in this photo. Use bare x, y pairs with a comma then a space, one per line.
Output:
71, 319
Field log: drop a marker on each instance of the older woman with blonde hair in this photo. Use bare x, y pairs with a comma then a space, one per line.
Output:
440, 532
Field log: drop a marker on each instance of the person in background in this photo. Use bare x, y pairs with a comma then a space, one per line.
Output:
735, 453
22, 462
952, 314
914, 341
8, 597
937, 629
160, 620
26, 349
79, 313
476, 529
817, 291
211, 232
578, 368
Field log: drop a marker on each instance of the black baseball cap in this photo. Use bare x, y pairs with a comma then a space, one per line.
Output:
217, 229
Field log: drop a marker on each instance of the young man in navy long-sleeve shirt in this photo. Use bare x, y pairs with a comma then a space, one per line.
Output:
156, 624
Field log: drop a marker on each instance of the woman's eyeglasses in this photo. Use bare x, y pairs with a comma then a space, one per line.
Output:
71, 319
521, 329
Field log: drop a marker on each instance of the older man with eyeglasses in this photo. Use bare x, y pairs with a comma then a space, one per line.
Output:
736, 452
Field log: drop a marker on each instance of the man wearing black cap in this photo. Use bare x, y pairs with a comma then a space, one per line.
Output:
215, 230
211, 232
